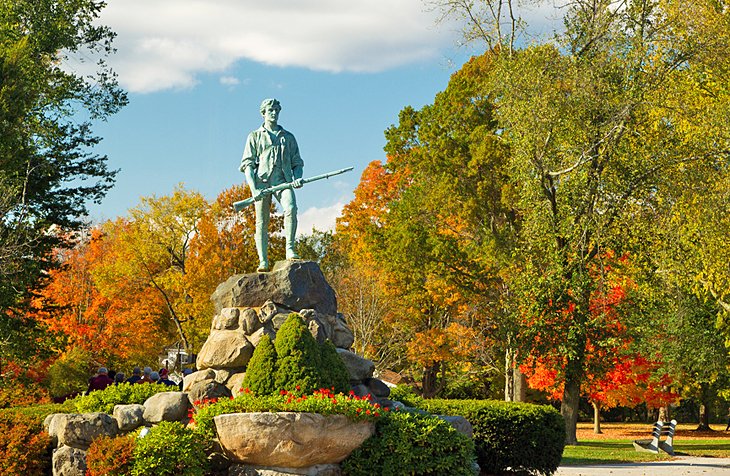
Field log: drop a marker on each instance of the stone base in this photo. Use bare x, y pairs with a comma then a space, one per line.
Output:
318, 470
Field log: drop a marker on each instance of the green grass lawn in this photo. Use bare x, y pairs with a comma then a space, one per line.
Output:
622, 451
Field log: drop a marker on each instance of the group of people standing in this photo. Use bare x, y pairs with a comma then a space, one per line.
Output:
105, 378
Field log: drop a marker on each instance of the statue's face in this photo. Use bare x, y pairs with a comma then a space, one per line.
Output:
271, 114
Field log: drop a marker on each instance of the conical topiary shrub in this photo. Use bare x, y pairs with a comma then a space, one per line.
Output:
260, 375
298, 357
334, 371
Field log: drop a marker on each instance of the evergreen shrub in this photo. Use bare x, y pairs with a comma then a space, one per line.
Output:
124, 393
415, 444
169, 449
297, 357
109, 456
335, 373
295, 363
260, 377
520, 436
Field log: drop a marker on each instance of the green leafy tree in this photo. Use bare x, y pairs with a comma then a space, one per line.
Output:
602, 125
48, 172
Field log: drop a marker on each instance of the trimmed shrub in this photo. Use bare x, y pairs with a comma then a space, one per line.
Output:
298, 357
124, 393
24, 445
406, 395
169, 449
295, 363
414, 444
261, 371
109, 456
335, 373
520, 436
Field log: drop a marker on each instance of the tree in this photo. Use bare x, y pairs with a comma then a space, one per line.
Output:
48, 171
600, 126
92, 318
434, 220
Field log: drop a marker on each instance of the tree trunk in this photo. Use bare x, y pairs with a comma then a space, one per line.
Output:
596, 418
515, 383
509, 376
430, 381
569, 408
520, 383
704, 409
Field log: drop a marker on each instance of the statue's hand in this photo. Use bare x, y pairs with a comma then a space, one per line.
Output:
297, 183
257, 193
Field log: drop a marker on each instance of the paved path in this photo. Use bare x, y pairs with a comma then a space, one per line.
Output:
681, 466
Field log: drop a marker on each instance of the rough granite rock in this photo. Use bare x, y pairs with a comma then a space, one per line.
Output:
342, 336
358, 367
69, 461
289, 440
166, 406
459, 423
256, 336
235, 383
129, 417
249, 321
318, 470
225, 349
227, 319
51, 427
377, 387
295, 285
79, 430
195, 377
207, 390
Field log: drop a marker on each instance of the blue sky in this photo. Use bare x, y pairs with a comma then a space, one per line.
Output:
196, 72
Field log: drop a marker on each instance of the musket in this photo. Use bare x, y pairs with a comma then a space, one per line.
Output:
238, 206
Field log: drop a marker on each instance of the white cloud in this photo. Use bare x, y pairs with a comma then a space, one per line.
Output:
164, 44
323, 219
229, 81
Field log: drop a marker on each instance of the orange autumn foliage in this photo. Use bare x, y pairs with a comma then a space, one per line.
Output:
72, 305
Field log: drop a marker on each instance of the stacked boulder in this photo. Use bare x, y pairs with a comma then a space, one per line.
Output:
72, 434
248, 306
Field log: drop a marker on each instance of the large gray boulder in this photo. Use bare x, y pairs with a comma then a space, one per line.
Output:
195, 377
359, 368
225, 349
79, 430
207, 390
129, 417
295, 285
68, 461
166, 406
288, 439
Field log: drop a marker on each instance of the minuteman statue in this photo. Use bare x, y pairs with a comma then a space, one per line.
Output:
271, 157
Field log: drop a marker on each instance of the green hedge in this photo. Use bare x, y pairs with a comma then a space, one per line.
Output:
124, 393
412, 444
519, 436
